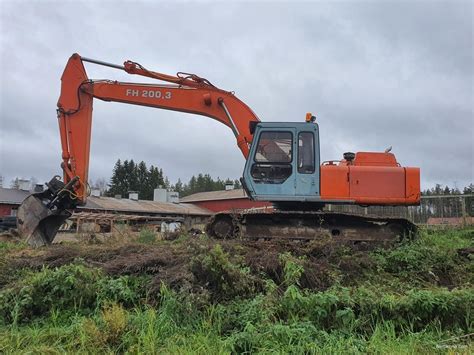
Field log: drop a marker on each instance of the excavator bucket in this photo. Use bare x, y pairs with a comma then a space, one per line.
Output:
38, 223
41, 214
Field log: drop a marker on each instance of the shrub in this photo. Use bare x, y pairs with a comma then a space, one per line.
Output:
70, 287
292, 269
430, 258
223, 278
91, 335
363, 309
235, 316
126, 290
114, 318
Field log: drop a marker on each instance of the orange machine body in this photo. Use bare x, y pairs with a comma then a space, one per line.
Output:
372, 178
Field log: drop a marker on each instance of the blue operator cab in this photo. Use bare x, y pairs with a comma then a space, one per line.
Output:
283, 163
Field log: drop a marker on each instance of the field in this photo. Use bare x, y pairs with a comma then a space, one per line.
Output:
195, 295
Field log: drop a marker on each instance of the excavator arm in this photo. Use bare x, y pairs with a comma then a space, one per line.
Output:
41, 214
187, 93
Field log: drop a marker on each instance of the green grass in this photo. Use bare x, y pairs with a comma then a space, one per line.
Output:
147, 236
162, 330
399, 304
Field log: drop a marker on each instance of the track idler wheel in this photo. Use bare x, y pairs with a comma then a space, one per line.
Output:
222, 227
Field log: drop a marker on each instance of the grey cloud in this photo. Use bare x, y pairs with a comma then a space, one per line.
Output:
375, 74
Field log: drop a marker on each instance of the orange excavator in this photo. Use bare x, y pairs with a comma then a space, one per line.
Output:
283, 164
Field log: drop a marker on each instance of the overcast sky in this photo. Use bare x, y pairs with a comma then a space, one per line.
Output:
375, 73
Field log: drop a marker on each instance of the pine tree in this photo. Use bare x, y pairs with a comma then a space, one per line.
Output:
437, 190
155, 179
192, 186
127, 178
178, 187
133, 174
143, 185
117, 181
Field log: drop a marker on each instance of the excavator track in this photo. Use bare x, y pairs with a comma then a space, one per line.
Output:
309, 225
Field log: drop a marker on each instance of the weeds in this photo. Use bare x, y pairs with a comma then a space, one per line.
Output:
224, 279
146, 236
394, 305
114, 318
70, 287
432, 258
292, 269
9, 246
125, 290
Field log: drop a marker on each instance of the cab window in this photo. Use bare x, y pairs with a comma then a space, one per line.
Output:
306, 153
274, 147
273, 158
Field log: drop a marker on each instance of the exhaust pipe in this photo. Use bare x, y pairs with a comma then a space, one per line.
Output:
41, 214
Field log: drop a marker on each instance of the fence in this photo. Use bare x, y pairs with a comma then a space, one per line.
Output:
433, 210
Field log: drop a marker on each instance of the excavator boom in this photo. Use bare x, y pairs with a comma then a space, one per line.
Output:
187, 93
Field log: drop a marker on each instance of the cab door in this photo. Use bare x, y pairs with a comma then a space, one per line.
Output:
270, 168
307, 164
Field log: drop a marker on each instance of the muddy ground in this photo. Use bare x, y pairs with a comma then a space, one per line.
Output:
171, 261
182, 263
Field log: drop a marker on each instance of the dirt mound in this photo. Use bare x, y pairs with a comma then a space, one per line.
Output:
57, 255
174, 262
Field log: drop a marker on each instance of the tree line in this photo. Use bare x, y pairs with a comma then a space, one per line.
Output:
438, 189
202, 183
447, 207
129, 176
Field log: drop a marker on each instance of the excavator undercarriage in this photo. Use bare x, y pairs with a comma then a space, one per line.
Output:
309, 225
